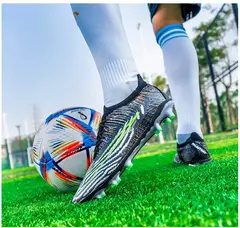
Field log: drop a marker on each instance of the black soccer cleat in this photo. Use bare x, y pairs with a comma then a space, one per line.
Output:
124, 129
193, 152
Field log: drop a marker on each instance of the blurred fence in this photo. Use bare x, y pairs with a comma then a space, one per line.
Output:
19, 152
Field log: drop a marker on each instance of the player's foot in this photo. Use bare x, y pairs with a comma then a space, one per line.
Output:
124, 129
193, 152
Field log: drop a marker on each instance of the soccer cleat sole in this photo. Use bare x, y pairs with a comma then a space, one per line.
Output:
201, 163
165, 117
193, 164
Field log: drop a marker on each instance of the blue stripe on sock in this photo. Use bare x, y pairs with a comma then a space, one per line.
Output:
174, 38
168, 28
161, 35
164, 37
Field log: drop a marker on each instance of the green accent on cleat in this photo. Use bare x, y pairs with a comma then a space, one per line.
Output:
172, 117
158, 131
129, 163
101, 195
167, 121
158, 127
129, 167
119, 180
115, 182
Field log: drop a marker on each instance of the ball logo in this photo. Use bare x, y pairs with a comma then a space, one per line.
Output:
82, 116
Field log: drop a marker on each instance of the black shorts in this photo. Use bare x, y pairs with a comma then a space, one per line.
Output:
188, 10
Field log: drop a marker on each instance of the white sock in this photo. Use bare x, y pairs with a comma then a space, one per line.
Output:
102, 28
181, 65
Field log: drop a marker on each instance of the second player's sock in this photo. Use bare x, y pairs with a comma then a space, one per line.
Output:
181, 65
102, 28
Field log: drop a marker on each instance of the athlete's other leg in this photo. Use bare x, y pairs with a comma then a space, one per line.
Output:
181, 65
102, 28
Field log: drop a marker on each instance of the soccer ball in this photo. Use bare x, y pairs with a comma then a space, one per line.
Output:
63, 147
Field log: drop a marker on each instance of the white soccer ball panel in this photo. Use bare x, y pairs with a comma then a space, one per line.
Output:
76, 164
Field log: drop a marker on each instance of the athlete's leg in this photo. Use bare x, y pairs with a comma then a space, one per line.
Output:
181, 64
102, 28
125, 126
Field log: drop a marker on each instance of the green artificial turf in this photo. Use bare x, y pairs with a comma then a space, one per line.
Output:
155, 192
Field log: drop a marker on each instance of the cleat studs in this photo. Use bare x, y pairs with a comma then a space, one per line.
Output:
167, 121
101, 195
115, 182
172, 117
119, 180
157, 132
129, 164
158, 127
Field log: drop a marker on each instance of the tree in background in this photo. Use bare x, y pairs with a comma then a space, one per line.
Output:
227, 81
220, 59
161, 83
230, 99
